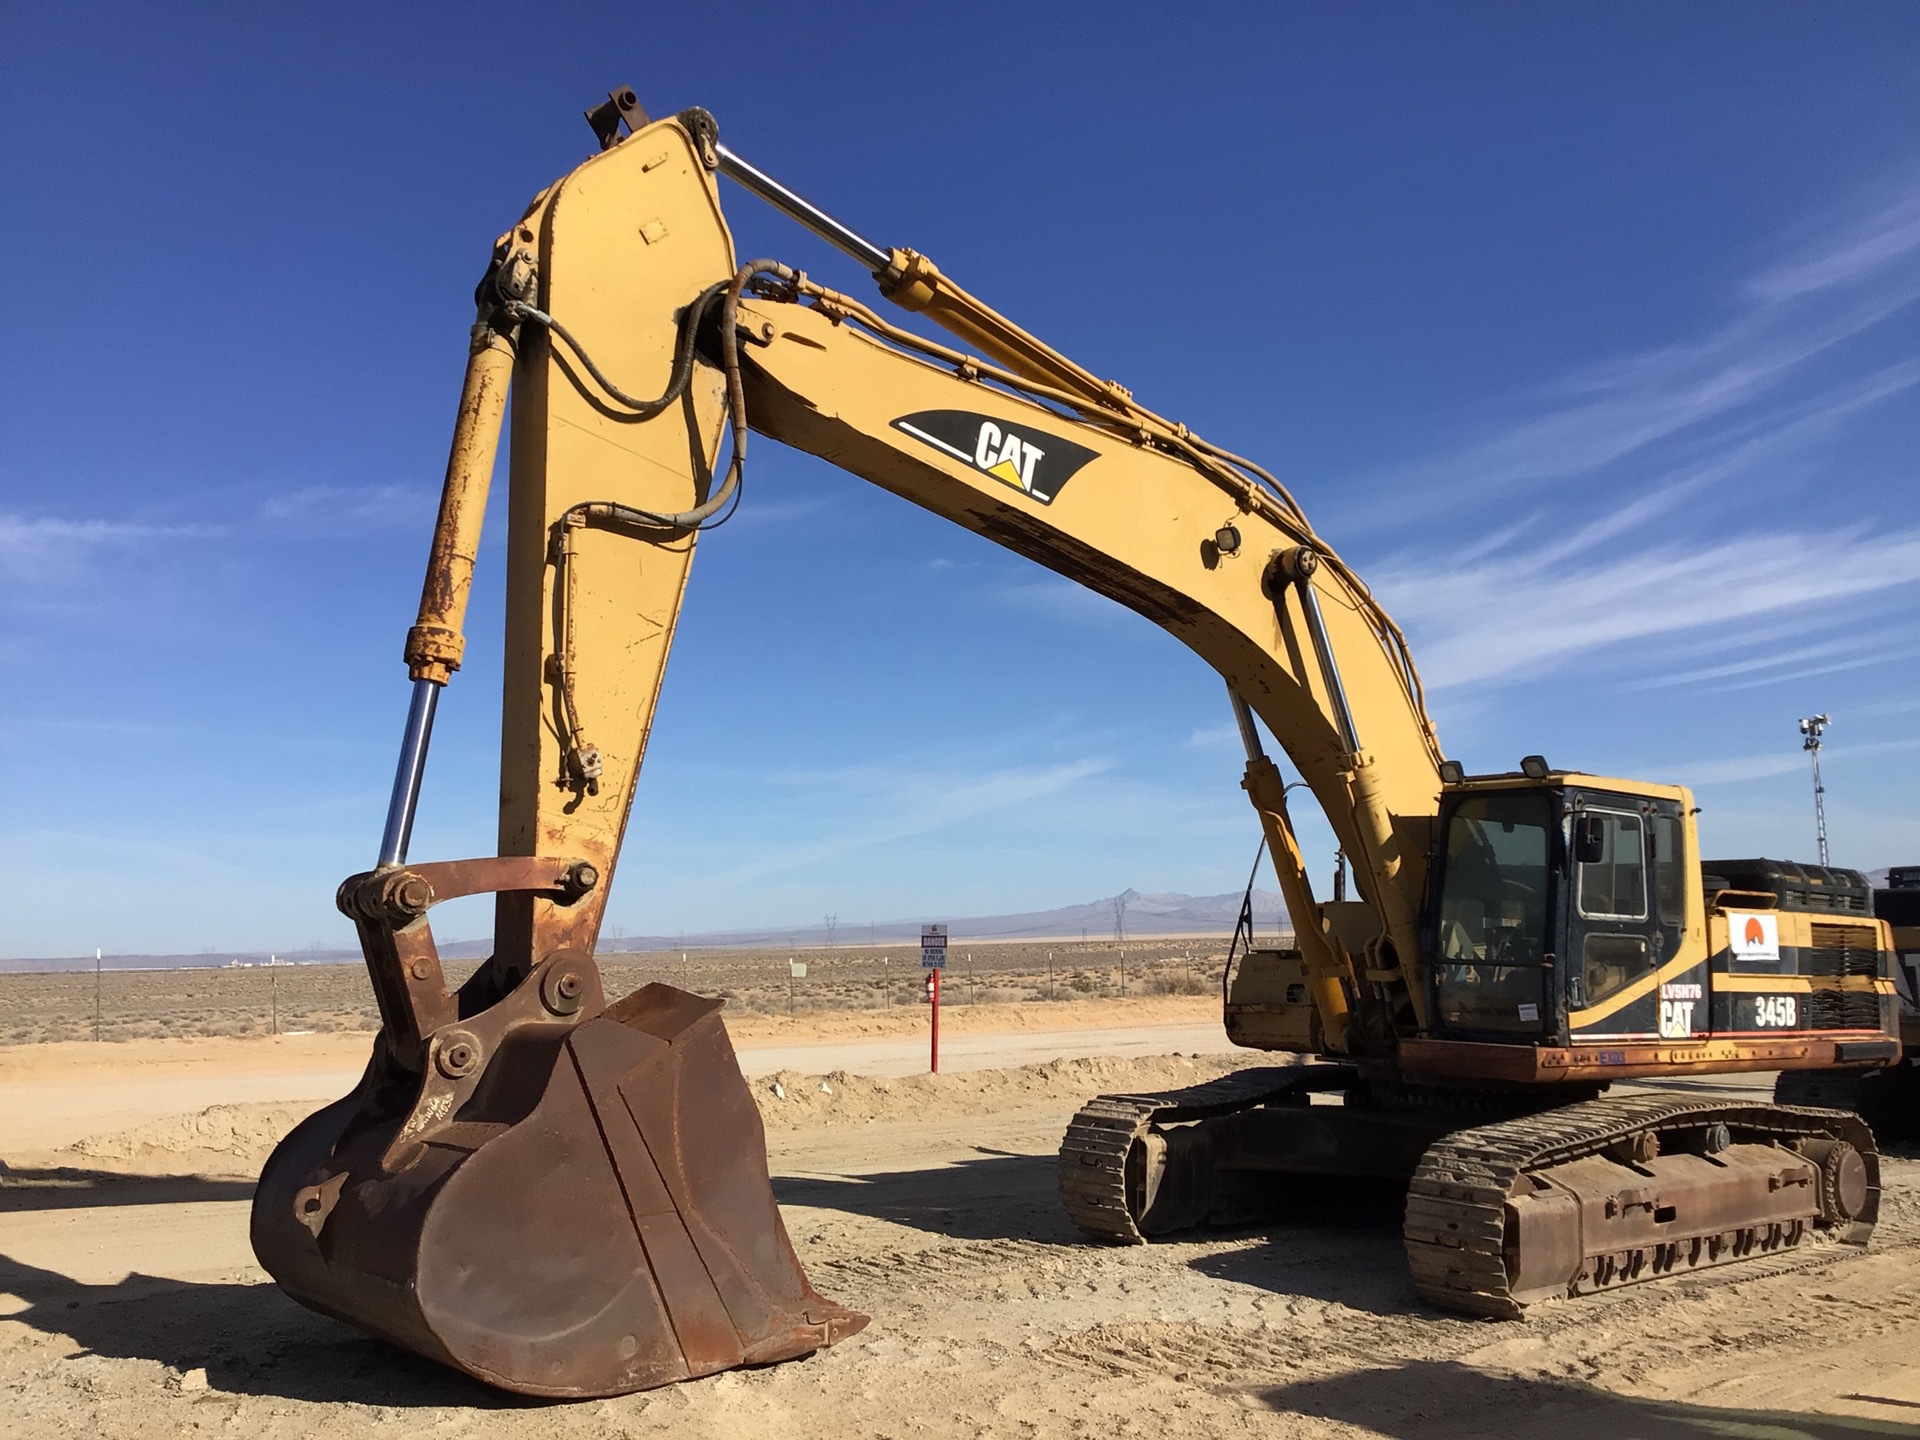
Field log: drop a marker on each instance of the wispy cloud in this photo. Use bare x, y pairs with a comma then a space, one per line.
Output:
1491, 620
1658, 470
909, 801
1827, 654
1885, 233
331, 510
1735, 768
1215, 737
1888, 707
1834, 288
36, 547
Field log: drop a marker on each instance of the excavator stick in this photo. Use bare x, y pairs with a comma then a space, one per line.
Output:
558, 1197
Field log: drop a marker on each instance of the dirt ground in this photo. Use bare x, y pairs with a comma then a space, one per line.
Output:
130, 1304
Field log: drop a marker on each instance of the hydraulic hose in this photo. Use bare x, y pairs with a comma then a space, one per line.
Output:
583, 759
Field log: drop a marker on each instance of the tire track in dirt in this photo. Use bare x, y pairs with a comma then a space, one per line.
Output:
1765, 1317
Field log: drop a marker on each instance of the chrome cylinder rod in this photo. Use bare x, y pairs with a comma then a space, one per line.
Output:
1329, 667
808, 214
406, 776
1243, 715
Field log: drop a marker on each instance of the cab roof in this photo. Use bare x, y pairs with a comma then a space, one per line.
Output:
1573, 780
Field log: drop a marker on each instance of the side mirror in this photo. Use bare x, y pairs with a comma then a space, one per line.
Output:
1589, 840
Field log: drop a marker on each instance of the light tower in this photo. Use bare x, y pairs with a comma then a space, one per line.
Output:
1812, 728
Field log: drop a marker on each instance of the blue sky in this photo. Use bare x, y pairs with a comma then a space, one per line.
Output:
1586, 332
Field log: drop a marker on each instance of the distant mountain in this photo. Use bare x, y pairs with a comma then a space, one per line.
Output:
1160, 913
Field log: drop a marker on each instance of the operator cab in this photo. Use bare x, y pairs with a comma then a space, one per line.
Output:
1549, 895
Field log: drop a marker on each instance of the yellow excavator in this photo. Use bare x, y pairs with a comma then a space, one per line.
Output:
565, 1195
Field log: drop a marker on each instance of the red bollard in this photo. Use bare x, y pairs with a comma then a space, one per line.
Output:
933, 999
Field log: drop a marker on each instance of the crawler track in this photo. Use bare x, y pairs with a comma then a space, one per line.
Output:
1094, 1175
1888, 1100
1456, 1221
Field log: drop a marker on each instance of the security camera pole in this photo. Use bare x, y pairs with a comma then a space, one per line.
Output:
1813, 727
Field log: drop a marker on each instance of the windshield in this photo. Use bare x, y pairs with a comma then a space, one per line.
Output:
1491, 916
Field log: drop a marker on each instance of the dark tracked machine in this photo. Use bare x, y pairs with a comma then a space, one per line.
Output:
1888, 1099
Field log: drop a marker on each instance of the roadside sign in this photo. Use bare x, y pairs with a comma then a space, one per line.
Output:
933, 947
799, 969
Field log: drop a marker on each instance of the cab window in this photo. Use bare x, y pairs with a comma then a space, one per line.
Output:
1612, 873
1669, 868
1610, 962
1490, 914
1493, 884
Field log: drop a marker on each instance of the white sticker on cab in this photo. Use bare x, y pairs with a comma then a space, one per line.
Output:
1753, 936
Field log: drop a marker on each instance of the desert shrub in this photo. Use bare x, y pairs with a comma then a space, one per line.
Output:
1179, 983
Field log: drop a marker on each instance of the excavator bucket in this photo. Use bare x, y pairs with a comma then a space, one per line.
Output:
562, 1200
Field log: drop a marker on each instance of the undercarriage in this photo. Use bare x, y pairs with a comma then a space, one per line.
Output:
1514, 1197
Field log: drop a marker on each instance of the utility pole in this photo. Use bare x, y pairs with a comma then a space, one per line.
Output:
96, 993
1812, 728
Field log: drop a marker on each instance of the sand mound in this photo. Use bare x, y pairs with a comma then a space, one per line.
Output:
791, 1101
236, 1139
220, 1140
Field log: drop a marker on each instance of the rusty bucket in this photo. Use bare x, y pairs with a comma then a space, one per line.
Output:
557, 1205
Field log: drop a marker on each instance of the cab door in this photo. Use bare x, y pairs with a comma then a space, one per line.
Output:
1616, 939
1682, 1010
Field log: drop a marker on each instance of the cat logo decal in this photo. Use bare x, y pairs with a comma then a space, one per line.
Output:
1031, 461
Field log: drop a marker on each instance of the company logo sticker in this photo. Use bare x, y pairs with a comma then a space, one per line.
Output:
1031, 461
1754, 937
